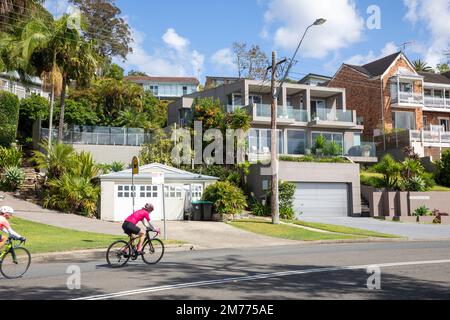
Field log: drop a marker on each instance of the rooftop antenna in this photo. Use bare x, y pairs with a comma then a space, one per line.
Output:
404, 45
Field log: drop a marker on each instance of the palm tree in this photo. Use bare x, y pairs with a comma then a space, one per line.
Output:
421, 66
59, 49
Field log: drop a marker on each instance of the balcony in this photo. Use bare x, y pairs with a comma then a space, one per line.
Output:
408, 98
439, 138
285, 114
363, 152
437, 103
333, 118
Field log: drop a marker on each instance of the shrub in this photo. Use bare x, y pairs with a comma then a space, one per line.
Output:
9, 118
10, 157
443, 169
117, 166
286, 196
56, 160
259, 209
422, 211
13, 178
227, 198
72, 194
332, 148
309, 158
390, 169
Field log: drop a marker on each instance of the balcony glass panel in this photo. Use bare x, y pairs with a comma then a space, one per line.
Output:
333, 115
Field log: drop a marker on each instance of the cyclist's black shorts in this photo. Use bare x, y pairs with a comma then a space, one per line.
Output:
130, 228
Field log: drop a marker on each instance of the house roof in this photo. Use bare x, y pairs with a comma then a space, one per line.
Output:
170, 174
314, 75
188, 80
378, 67
435, 78
15, 76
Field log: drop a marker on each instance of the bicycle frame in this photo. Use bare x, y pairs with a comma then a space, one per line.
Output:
9, 248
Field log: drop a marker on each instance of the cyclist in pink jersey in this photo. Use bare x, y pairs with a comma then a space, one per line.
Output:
130, 225
6, 214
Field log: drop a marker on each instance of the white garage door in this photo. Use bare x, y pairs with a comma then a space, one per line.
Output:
321, 200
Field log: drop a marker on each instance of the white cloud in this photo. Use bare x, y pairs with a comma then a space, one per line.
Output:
360, 59
223, 57
175, 58
173, 40
57, 7
343, 28
435, 16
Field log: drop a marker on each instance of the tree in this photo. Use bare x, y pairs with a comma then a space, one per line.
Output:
13, 12
9, 118
114, 71
422, 66
251, 63
159, 150
105, 26
137, 73
32, 109
443, 68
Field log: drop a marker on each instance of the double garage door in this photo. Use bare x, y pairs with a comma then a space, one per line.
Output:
321, 200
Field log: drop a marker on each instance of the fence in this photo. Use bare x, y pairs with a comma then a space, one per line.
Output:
100, 136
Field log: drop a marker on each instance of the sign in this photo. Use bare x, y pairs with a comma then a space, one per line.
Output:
135, 165
158, 178
419, 198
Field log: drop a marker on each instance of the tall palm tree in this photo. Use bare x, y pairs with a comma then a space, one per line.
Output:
421, 66
56, 47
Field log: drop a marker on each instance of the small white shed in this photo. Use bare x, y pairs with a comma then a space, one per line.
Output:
181, 188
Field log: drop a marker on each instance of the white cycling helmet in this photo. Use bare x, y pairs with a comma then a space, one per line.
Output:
7, 210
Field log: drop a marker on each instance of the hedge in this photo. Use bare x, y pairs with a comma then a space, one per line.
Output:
9, 118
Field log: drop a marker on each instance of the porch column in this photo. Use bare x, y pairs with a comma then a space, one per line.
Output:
307, 103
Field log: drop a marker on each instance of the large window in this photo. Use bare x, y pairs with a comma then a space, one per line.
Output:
296, 142
260, 141
404, 120
329, 136
406, 87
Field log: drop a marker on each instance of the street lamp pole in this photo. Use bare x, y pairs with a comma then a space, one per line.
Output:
274, 144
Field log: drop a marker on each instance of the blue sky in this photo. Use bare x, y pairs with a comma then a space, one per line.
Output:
175, 37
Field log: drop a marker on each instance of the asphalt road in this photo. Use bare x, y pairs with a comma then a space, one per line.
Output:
409, 270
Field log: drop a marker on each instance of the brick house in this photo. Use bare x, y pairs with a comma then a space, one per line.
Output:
399, 106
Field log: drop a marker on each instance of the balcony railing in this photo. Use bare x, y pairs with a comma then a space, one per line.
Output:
127, 138
430, 137
283, 112
20, 91
333, 115
437, 102
365, 149
407, 98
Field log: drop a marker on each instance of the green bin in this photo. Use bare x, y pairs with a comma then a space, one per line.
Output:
202, 210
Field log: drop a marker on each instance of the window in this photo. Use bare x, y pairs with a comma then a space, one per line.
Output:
428, 93
173, 192
148, 191
404, 120
197, 191
254, 99
425, 120
329, 136
445, 123
154, 90
296, 142
406, 87
185, 90
126, 191
260, 141
237, 100
438, 93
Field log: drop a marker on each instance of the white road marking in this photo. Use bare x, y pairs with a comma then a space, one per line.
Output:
256, 277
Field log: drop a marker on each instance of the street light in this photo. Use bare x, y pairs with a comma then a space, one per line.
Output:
274, 144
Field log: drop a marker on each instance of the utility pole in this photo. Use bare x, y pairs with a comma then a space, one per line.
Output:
274, 144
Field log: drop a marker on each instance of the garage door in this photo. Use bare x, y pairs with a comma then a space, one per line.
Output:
321, 200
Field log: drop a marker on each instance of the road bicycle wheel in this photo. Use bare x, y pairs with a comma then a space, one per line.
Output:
153, 251
118, 254
15, 263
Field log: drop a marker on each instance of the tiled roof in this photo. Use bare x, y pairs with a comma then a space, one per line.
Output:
435, 78
189, 80
378, 67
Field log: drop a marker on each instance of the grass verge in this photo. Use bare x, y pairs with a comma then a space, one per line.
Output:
43, 238
344, 230
286, 231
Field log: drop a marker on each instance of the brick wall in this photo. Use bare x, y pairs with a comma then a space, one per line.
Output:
433, 117
363, 95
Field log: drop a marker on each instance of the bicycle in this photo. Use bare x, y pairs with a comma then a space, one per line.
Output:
14, 260
120, 252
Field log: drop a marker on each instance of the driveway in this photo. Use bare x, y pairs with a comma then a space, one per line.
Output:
203, 235
406, 230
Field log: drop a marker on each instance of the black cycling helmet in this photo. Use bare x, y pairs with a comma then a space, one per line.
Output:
149, 207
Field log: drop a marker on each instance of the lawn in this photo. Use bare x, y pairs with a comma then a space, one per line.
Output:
286, 232
344, 230
44, 239
367, 178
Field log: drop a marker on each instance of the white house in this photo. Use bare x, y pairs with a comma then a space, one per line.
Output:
181, 188
11, 82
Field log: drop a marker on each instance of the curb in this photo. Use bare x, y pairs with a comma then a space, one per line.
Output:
95, 254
